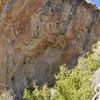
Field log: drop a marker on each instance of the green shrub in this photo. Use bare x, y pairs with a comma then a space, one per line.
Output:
38, 94
73, 85
70, 85
92, 61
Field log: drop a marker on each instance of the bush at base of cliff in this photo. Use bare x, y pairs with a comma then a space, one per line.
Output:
92, 61
70, 85
73, 85
37, 94
6, 96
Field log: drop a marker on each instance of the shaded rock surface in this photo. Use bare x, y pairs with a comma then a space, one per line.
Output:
36, 36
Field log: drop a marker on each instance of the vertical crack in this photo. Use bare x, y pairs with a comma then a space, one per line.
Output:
67, 22
47, 6
87, 35
5, 12
9, 6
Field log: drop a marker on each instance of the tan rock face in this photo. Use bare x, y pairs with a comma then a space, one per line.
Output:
38, 35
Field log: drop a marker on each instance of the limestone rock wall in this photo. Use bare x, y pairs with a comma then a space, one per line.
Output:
36, 36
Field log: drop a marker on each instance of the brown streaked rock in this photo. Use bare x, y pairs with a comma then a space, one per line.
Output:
36, 36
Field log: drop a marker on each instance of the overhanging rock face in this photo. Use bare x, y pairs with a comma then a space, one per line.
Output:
36, 36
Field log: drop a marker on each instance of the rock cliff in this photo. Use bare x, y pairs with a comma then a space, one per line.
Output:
36, 36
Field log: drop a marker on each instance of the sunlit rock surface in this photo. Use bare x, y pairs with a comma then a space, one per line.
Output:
36, 36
